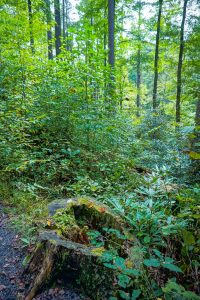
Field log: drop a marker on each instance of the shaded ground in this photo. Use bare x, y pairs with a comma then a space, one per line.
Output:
11, 258
10, 261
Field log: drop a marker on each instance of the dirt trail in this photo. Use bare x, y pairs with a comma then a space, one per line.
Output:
11, 258
10, 261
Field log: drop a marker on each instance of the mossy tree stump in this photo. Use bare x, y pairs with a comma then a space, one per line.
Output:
64, 247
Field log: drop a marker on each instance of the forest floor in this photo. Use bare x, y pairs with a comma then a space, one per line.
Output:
11, 257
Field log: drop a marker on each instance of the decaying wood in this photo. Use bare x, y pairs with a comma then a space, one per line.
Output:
57, 253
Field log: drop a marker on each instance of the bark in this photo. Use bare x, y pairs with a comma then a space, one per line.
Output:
57, 26
156, 61
70, 252
196, 139
195, 146
138, 99
49, 32
180, 62
63, 19
30, 16
197, 117
105, 54
111, 36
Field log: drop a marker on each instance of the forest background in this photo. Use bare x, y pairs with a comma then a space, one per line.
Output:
106, 103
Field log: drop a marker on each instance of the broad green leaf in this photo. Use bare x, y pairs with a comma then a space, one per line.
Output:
172, 267
188, 238
124, 295
152, 262
158, 253
194, 155
147, 239
123, 280
120, 263
135, 294
110, 266
132, 272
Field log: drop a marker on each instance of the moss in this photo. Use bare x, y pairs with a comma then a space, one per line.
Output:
26, 260
72, 218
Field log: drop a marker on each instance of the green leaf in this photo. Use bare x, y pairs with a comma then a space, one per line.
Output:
190, 295
132, 272
153, 262
188, 238
158, 253
107, 256
26, 260
120, 263
110, 266
147, 239
124, 295
123, 280
25, 241
135, 294
194, 155
172, 267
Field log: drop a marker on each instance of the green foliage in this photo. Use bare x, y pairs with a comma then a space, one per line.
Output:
61, 136
173, 290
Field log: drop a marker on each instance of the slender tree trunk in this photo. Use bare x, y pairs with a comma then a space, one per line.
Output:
87, 59
49, 32
195, 145
196, 139
30, 16
105, 54
111, 54
57, 26
138, 99
63, 19
180, 62
156, 61
67, 22
111, 36
197, 117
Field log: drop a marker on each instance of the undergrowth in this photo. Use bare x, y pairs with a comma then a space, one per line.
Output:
145, 177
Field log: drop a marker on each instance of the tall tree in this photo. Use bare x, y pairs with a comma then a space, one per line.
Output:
111, 53
111, 36
180, 62
66, 23
57, 26
30, 16
64, 19
138, 99
156, 60
49, 32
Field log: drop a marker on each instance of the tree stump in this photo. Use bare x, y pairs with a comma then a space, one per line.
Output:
64, 248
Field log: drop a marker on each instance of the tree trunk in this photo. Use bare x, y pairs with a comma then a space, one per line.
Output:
180, 62
49, 33
105, 54
63, 20
111, 54
196, 139
57, 26
67, 23
138, 99
155, 102
111, 36
197, 118
30, 16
